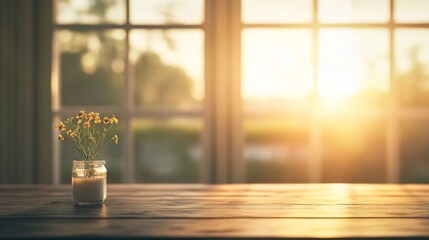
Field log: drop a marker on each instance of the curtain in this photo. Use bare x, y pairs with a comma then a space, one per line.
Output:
25, 91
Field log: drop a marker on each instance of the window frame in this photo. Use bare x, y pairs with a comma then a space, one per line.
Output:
127, 110
392, 114
222, 138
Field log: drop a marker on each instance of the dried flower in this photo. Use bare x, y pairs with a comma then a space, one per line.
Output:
73, 134
80, 114
69, 119
114, 120
115, 139
61, 127
97, 119
87, 139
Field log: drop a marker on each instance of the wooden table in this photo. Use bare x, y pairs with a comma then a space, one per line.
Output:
212, 211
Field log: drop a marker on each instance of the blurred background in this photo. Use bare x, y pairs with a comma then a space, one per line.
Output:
225, 91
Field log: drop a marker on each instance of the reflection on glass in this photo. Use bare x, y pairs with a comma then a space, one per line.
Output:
412, 66
90, 11
111, 153
167, 150
277, 68
354, 65
353, 11
276, 149
412, 11
167, 11
414, 151
91, 67
277, 11
168, 67
353, 150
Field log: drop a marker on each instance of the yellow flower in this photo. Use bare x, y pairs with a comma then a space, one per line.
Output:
69, 119
60, 137
79, 122
106, 120
91, 115
113, 119
80, 114
61, 127
86, 124
97, 119
73, 134
88, 117
115, 138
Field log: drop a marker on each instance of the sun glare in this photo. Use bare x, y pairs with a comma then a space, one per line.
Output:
278, 64
337, 76
352, 62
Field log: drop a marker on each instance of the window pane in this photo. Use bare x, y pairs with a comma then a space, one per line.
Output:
353, 150
277, 68
168, 68
90, 11
91, 67
412, 66
111, 153
167, 150
353, 11
277, 11
276, 149
352, 69
412, 11
414, 151
167, 11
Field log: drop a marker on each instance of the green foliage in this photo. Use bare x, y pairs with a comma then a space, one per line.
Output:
80, 88
160, 84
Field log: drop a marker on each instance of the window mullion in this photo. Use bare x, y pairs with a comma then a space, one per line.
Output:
315, 142
221, 91
392, 129
127, 103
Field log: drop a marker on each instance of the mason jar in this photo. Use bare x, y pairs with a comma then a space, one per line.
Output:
89, 182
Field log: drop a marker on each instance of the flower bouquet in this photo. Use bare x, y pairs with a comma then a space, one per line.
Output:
88, 133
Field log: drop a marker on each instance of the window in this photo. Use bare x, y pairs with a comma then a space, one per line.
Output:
251, 90
144, 62
334, 90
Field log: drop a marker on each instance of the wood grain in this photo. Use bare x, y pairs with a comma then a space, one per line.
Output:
230, 211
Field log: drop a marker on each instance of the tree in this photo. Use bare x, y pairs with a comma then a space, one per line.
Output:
413, 85
159, 84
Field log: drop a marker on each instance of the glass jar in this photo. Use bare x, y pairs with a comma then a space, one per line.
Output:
89, 182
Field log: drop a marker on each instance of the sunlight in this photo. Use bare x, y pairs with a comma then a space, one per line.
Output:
348, 65
337, 77
276, 64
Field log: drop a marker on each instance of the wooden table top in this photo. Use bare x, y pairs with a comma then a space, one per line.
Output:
219, 211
